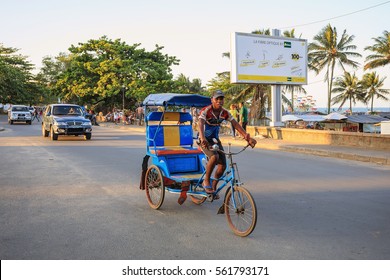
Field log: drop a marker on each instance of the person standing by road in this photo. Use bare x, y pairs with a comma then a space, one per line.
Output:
140, 114
210, 119
243, 115
233, 111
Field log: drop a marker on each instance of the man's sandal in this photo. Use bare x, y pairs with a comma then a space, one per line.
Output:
208, 189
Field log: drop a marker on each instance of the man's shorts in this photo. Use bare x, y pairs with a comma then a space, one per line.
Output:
208, 153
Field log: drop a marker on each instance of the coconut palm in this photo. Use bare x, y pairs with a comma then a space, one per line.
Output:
381, 48
326, 51
184, 85
372, 85
349, 88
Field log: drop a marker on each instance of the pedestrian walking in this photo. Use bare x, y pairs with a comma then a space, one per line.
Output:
35, 115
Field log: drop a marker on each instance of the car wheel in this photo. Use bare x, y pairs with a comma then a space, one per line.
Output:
29, 122
45, 133
87, 136
53, 136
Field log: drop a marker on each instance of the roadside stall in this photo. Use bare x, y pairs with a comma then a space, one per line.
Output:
335, 121
366, 123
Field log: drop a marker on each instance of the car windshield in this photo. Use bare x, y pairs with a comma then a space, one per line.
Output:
67, 110
19, 109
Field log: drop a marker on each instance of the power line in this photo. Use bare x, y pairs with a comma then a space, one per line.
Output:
348, 14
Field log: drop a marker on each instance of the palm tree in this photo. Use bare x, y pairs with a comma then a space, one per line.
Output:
326, 51
259, 94
372, 85
350, 89
382, 52
184, 85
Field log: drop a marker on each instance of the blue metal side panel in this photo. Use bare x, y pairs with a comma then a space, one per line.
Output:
159, 138
186, 135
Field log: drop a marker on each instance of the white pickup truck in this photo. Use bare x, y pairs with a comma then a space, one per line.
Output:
19, 113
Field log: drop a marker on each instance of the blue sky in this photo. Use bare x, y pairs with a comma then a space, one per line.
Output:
196, 32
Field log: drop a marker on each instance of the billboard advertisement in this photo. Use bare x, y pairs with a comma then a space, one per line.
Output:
261, 59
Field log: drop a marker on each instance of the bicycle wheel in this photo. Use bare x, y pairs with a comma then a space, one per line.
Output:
154, 187
242, 218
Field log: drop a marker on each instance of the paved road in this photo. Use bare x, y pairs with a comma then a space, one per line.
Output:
76, 199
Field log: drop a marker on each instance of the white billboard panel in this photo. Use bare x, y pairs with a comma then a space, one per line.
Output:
263, 59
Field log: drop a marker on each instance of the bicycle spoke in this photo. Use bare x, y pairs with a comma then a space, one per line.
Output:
154, 187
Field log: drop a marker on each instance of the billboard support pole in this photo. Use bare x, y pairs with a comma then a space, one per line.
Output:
276, 97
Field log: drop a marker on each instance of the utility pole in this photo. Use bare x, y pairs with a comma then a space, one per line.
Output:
276, 97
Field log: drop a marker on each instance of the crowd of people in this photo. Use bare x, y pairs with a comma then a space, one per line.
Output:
238, 111
128, 117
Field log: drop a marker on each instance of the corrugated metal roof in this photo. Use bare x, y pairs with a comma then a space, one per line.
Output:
312, 118
365, 119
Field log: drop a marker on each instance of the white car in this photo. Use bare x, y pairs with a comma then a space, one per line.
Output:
19, 113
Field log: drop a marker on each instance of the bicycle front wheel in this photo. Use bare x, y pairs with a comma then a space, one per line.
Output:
154, 187
241, 211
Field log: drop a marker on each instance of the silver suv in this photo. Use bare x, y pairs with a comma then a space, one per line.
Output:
65, 119
19, 113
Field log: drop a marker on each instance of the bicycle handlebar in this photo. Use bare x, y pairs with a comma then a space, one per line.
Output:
215, 148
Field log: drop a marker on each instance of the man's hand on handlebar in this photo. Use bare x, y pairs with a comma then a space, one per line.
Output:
252, 142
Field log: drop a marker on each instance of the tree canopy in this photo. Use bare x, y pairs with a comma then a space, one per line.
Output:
381, 49
99, 70
16, 81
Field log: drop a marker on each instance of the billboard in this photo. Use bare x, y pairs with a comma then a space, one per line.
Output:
261, 59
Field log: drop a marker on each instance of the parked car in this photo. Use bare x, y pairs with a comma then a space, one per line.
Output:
65, 119
19, 113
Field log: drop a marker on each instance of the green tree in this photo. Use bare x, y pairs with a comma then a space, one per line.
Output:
98, 70
349, 88
52, 68
221, 81
326, 51
47, 78
372, 85
16, 80
183, 84
381, 49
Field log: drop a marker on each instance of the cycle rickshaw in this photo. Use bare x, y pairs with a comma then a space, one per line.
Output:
178, 166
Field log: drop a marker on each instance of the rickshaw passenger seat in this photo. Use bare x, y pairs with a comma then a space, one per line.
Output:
171, 139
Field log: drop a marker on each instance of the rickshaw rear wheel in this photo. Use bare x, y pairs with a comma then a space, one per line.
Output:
154, 187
